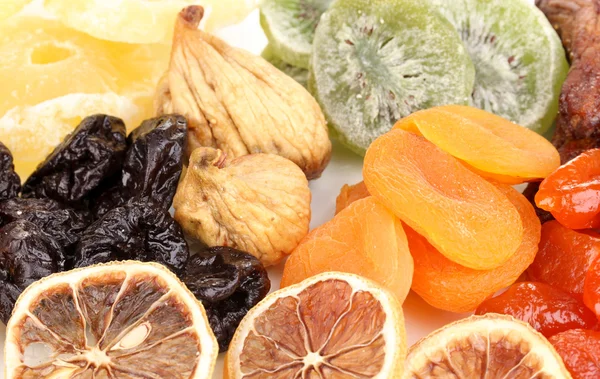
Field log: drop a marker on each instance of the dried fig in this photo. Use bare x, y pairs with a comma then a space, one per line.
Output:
238, 102
259, 203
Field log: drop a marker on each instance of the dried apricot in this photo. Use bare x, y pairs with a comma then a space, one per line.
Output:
494, 147
349, 194
547, 309
465, 217
591, 291
571, 193
564, 257
452, 287
364, 239
580, 351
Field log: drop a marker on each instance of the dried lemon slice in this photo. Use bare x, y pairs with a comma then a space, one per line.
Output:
142, 21
491, 346
117, 320
332, 325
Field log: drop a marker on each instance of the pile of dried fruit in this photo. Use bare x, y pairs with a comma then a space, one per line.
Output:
371, 63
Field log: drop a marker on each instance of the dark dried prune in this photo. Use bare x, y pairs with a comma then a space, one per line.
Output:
152, 165
26, 254
61, 222
137, 231
93, 152
229, 283
10, 183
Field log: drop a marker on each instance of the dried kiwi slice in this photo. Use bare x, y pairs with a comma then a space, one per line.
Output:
290, 27
520, 63
297, 73
378, 61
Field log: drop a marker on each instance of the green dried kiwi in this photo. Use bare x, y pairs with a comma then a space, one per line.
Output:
290, 27
298, 74
519, 60
378, 61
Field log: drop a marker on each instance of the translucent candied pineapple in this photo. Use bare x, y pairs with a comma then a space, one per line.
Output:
43, 59
31, 132
9, 8
142, 21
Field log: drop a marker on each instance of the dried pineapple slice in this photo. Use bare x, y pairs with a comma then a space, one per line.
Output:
142, 21
31, 132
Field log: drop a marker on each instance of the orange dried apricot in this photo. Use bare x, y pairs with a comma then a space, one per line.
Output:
564, 257
465, 217
591, 288
364, 239
548, 310
449, 286
580, 351
494, 147
572, 192
349, 194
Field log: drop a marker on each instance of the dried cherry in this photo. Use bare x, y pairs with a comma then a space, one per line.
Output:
572, 192
152, 166
228, 282
62, 223
563, 257
89, 155
591, 291
137, 231
580, 351
10, 183
27, 254
547, 309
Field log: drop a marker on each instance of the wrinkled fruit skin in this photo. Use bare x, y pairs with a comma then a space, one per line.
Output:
62, 223
563, 257
228, 282
546, 309
10, 183
136, 231
571, 192
580, 351
258, 203
238, 102
89, 155
152, 166
27, 254
591, 291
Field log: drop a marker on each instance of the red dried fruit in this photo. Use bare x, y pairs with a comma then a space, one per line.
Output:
572, 193
564, 257
548, 310
591, 289
580, 351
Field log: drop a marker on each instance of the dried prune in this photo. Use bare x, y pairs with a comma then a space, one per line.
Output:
10, 183
228, 282
62, 223
27, 254
93, 152
137, 231
152, 165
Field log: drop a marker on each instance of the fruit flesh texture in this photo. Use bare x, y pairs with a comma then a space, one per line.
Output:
580, 351
75, 75
519, 60
452, 287
347, 326
564, 257
8, 8
591, 292
546, 309
572, 192
494, 147
378, 61
142, 21
364, 239
465, 217
349, 194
